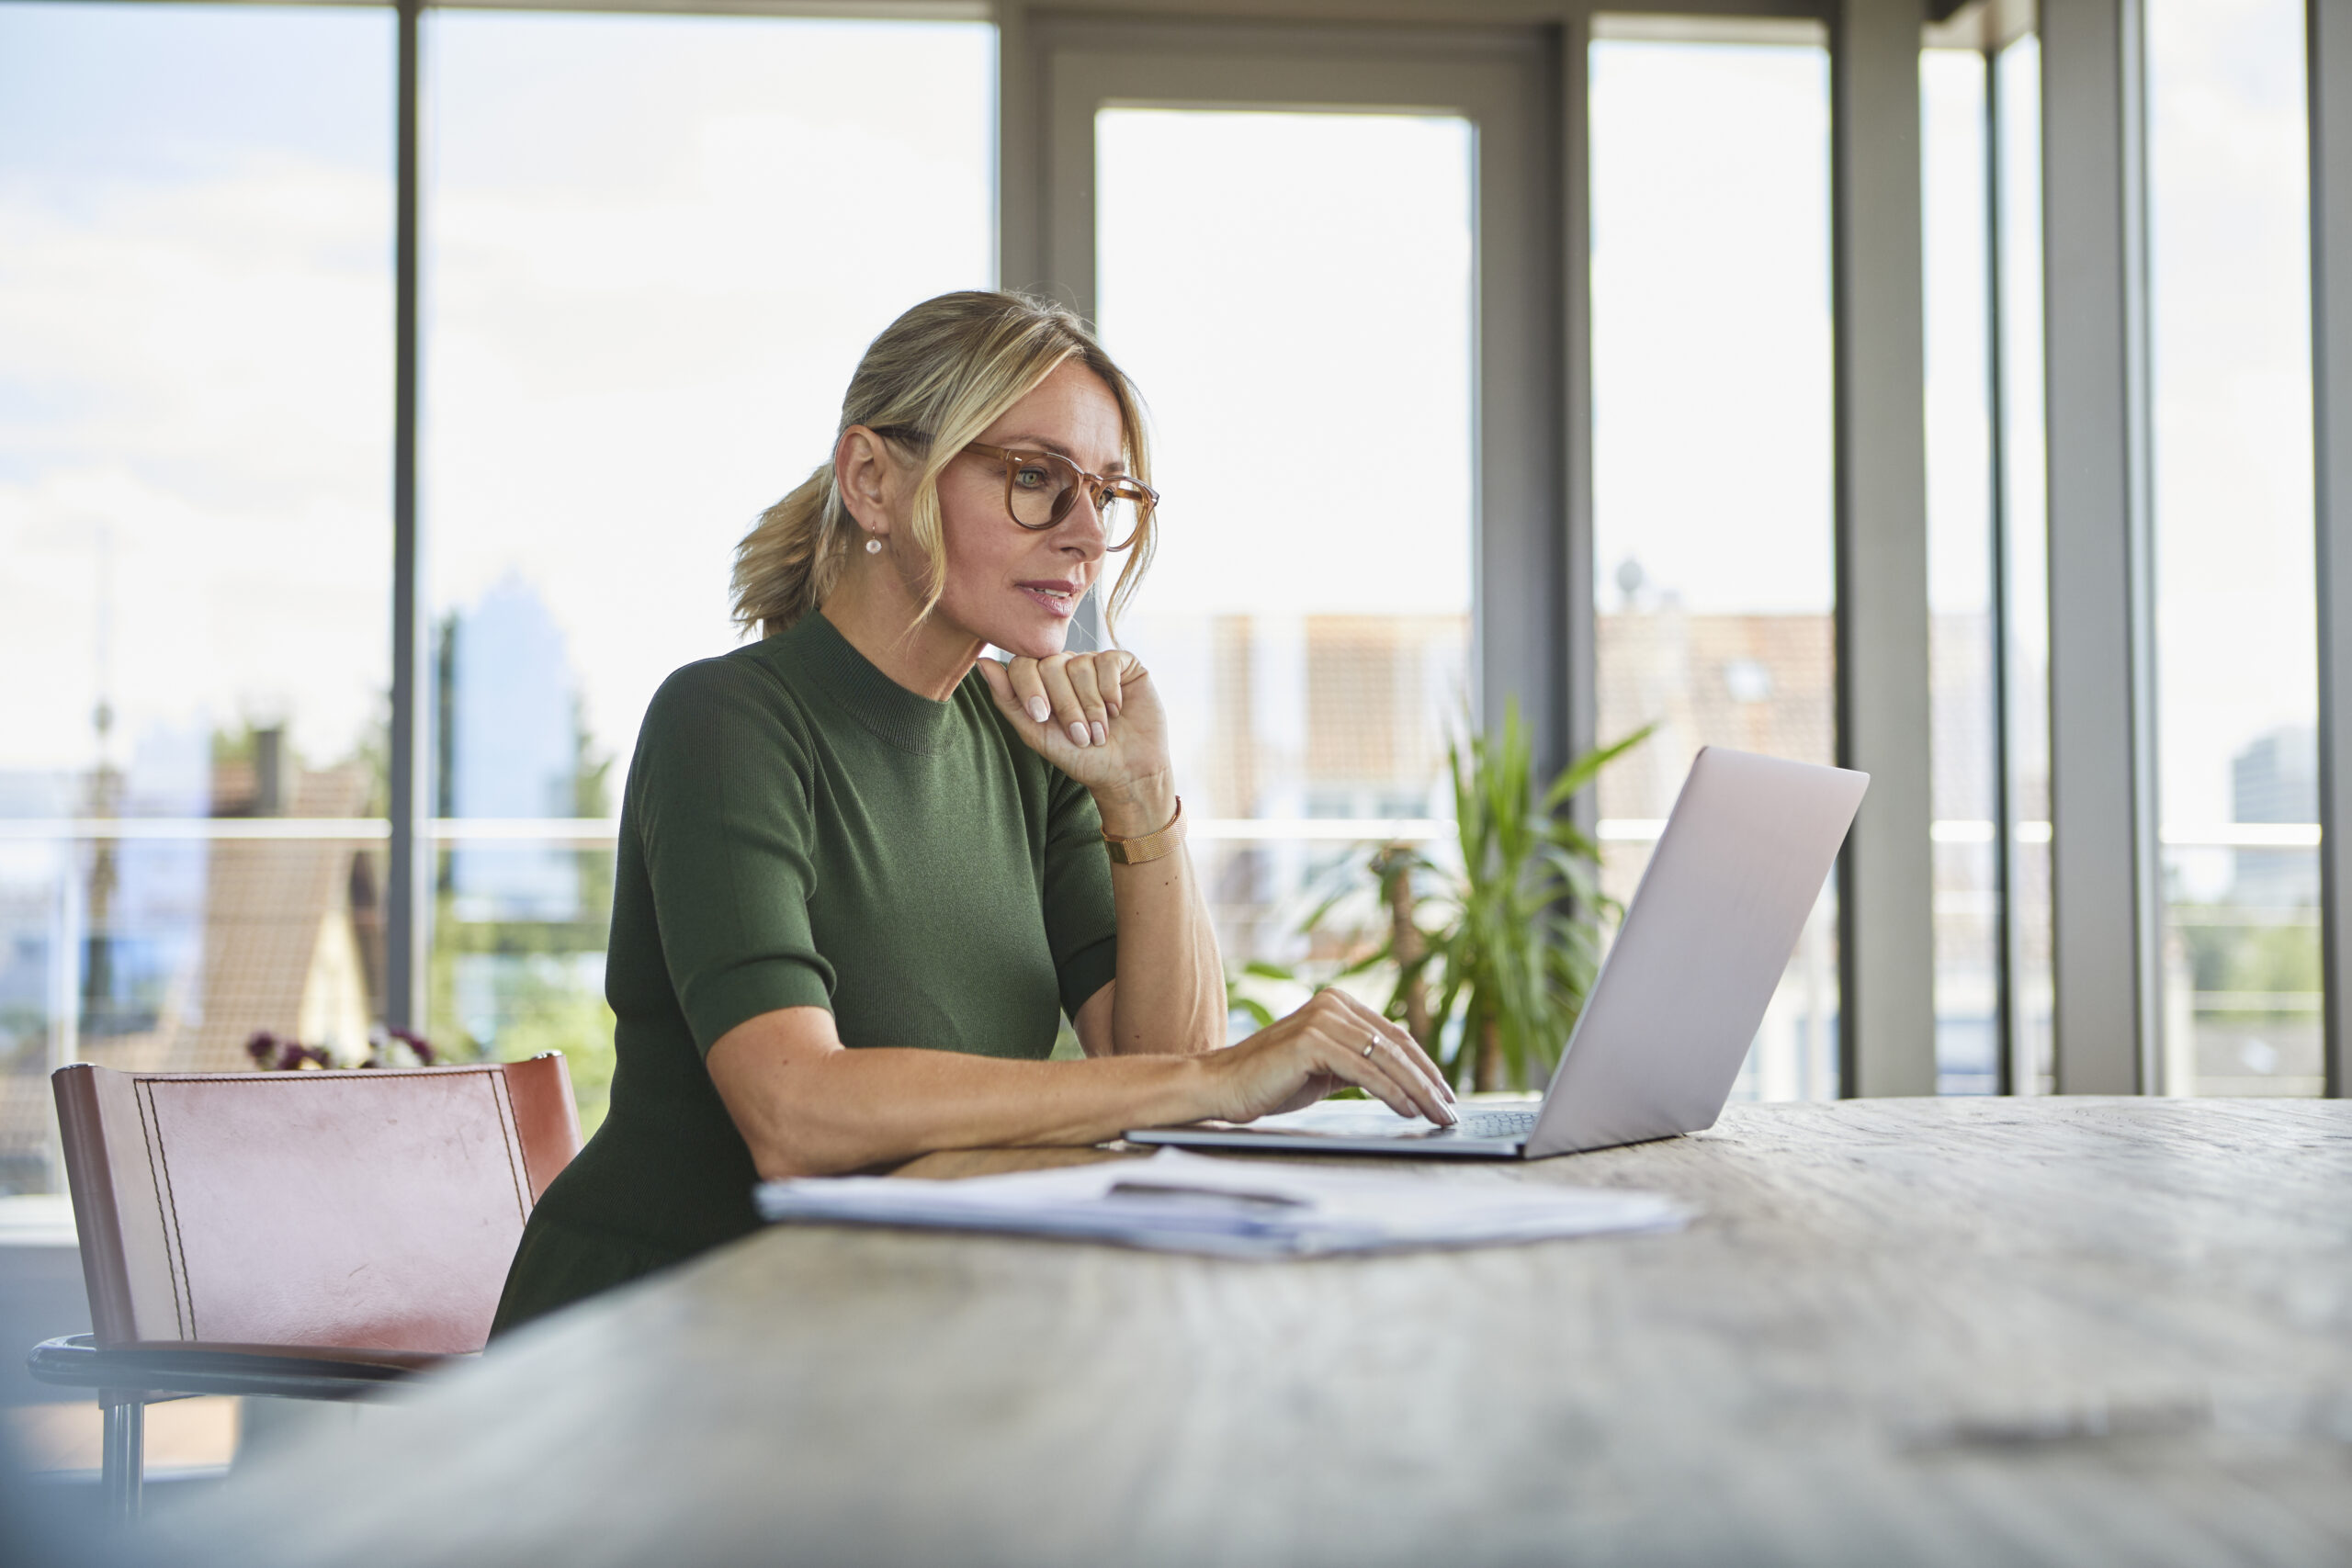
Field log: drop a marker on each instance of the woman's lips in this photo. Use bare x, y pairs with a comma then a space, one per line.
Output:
1059, 600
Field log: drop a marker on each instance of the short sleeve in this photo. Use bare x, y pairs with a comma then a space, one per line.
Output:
724, 809
1081, 922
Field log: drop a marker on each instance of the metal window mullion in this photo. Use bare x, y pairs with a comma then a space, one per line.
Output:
2102, 755
409, 902
2147, 854
1577, 616
1887, 1008
1519, 407
2327, 44
2004, 968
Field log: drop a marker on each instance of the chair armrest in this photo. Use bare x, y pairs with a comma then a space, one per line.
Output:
281, 1372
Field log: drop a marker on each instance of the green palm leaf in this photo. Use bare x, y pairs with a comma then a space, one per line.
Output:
1509, 941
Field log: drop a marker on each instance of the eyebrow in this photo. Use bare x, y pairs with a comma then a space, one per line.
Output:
1010, 443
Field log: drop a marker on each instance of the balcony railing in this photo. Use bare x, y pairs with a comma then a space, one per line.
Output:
591, 830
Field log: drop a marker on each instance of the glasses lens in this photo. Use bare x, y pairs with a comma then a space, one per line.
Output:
1038, 487
1121, 517
1041, 488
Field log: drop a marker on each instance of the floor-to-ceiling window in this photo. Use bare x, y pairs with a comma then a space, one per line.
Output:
641, 302
1292, 291
1987, 543
1711, 305
2021, 482
1962, 527
2236, 662
656, 247
195, 301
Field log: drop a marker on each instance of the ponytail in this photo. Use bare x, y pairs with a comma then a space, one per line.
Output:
789, 562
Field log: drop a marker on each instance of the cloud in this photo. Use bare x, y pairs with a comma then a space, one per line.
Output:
199, 385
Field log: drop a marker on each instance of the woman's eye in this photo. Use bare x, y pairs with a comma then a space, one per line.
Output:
1032, 477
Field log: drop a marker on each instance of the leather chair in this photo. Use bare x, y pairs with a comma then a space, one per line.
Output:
301, 1235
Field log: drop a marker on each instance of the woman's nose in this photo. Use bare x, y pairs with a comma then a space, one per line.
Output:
1082, 531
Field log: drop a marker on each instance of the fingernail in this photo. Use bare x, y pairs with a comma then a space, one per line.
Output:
1102, 736
1039, 710
1078, 734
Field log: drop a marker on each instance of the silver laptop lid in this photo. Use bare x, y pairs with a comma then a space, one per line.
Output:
1705, 939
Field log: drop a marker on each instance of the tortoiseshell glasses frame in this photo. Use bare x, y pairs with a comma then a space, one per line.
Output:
1040, 488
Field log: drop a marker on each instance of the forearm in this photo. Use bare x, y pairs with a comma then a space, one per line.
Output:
815, 1113
1169, 998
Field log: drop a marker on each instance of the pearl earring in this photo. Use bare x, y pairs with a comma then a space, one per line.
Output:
872, 546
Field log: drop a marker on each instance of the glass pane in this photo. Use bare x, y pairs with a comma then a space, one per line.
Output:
1959, 570
2236, 654
195, 419
1712, 523
2017, 86
1309, 618
645, 304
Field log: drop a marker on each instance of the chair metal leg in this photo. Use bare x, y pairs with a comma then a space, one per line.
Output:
124, 1466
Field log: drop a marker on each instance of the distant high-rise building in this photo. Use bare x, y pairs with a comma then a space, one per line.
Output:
2276, 779
512, 734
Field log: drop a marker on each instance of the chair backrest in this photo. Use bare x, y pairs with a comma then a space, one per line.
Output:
367, 1209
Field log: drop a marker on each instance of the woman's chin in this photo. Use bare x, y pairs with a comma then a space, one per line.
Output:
1033, 641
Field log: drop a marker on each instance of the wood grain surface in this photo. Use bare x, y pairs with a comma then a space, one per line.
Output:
1962, 1332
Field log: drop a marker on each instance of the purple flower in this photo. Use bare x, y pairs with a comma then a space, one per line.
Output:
416, 1042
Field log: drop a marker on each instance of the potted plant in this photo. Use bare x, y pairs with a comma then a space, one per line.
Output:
1494, 956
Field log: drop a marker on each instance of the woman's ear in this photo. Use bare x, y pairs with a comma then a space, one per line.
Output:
867, 477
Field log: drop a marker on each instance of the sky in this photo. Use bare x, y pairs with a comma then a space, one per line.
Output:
1710, 325
2229, 305
658, 247
1294, 293
195, 373
655, 247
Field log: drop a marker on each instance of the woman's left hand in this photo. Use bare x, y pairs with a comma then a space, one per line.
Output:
1093, 716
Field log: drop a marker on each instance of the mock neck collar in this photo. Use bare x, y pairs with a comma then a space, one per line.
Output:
906, 719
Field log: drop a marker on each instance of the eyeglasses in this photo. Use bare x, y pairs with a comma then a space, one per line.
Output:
1040, 488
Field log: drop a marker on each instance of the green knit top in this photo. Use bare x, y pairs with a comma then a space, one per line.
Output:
800, 831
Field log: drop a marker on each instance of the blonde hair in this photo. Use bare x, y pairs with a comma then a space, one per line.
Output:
947, 370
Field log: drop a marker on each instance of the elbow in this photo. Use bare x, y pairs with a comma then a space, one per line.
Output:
782, 1156
777, 1162
778, 1078
792, 1146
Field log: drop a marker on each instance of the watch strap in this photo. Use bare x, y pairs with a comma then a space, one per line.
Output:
1135, 849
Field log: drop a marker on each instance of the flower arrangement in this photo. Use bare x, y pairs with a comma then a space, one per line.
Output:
386, 1048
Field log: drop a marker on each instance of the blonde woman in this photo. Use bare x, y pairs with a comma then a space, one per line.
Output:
863, 870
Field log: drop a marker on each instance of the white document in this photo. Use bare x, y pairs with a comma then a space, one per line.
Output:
1231, 1208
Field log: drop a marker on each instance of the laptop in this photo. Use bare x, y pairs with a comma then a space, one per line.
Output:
1677, 1002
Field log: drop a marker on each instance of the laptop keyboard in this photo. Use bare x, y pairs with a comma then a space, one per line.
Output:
1495, 1124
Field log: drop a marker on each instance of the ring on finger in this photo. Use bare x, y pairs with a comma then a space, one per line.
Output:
1371, 1045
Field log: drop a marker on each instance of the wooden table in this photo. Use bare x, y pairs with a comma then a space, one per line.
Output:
1960, 1332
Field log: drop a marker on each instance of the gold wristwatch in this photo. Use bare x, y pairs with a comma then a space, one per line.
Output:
1125, 850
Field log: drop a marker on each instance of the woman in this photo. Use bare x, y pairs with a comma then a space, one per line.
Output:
863, 870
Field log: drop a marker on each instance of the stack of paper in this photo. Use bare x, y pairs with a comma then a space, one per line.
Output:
1181, 1203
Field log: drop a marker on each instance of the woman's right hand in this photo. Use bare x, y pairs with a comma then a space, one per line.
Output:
1297, 1060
